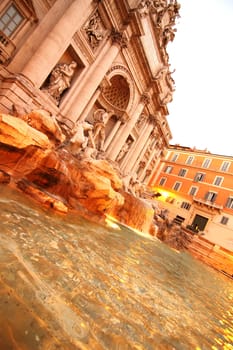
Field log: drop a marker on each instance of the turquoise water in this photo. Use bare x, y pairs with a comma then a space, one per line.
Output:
86, 286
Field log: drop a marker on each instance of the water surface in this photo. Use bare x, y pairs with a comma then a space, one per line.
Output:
67, 283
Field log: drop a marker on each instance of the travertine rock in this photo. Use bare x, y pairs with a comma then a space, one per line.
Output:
17, 133
56, 178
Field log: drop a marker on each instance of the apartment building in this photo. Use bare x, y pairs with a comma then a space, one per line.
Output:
196, 189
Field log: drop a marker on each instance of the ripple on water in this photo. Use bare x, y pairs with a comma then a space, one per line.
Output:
83, 286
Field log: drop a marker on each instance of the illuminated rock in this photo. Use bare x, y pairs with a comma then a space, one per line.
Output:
56, 178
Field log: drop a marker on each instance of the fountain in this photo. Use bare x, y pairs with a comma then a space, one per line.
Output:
69, 283
35, 159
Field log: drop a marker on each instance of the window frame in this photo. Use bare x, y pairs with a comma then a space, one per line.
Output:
211, 194
190, 160
225, 166
196, 190
196, 179
181, 171
177, 183
9, 32
215, 180
208, 161
162, 181
224, 220
174, 157
168, 169
185, 205
229, 202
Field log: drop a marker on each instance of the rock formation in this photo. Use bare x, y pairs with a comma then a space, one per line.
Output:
35, 159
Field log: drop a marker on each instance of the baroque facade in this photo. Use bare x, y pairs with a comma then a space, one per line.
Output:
195, 187
100, 67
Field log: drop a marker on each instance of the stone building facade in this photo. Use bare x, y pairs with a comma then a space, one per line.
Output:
195, 187
99, 62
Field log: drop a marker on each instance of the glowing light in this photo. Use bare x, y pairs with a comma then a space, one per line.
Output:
111, 222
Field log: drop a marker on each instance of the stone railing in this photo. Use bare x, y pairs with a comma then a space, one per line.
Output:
6, 48
207, 203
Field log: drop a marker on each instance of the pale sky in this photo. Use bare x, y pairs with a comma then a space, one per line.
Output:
201, 113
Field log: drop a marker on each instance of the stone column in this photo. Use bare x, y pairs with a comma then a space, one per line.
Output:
141, 154
135, 151
95, 75
125, 129
58, 39
152, 155
112, 134
90, 104
39, 34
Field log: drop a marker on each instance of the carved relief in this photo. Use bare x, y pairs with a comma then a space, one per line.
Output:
153, 119
119, 38
141, 120
165, 99
145, 98
94, 30
60, 80
164, 15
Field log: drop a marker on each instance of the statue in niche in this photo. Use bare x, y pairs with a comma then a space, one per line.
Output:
140, 121
124, 149
135, 186
60, 79
94, 31
101, 117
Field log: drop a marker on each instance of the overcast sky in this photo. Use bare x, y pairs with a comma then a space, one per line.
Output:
201, 113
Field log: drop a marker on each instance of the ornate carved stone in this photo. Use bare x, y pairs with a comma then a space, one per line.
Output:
145, 98
94, 30
144, 7
125, 149
142, 164
152, 119
142, 118
119, 38
79, 140
165, 99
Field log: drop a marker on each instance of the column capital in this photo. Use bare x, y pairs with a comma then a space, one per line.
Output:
153, 119
119, 38
145, 98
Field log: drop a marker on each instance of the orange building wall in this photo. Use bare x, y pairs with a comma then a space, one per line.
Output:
172, 200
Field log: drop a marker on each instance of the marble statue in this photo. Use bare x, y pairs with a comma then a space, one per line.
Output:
79, 140
60, 79
100, 117
125, 148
